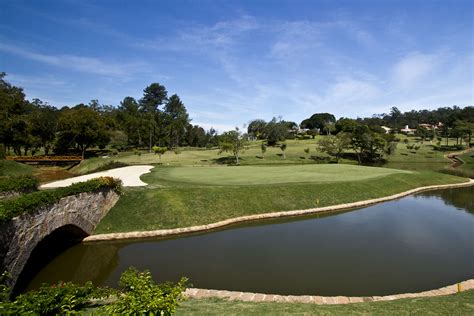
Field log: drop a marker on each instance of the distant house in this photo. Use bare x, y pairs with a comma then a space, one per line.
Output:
407, 130
386, 129
438, 125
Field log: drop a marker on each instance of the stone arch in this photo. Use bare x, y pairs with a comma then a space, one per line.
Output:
21, 236
46, 250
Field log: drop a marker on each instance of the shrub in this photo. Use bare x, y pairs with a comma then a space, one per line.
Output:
32, 201
61, 298
20, 184
141, 296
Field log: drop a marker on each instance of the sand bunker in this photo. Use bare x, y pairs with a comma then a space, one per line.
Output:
130, 177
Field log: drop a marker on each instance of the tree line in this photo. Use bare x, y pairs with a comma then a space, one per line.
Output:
156, 119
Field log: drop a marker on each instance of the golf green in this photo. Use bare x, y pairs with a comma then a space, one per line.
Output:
255, 175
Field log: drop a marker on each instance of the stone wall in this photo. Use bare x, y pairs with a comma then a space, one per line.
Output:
20, 236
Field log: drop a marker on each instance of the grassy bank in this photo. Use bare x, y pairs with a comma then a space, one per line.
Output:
175, 200
13, 169
458, 304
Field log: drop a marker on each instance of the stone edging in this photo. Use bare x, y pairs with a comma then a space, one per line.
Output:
323, 300
202, 228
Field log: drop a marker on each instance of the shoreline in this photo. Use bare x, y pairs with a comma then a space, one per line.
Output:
256, 217
323, 300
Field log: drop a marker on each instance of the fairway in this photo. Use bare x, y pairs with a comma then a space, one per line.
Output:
254, 175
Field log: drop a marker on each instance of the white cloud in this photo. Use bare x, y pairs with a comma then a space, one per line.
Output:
412, 68
220, 128
74, 62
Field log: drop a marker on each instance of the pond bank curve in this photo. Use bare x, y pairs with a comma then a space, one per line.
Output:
323, 300
248, 218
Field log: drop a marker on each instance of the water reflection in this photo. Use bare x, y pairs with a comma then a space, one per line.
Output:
461, 198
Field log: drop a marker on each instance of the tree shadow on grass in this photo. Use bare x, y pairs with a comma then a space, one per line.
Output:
229, 160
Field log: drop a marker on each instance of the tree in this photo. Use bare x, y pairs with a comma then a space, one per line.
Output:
318, 121
346, 125
422, 133
153, 97
176, 119
233, 141
83, 127
275, 131
159, 151
263, 148
130, 120
368, 145
283, 149
335, 145
44, 124
14, 112
329, 127
256, 128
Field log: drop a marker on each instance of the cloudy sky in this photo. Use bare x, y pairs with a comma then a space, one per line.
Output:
233, 61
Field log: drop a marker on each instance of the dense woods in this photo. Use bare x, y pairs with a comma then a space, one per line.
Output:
156, 119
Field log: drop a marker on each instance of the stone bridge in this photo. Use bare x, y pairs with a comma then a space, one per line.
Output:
77, 215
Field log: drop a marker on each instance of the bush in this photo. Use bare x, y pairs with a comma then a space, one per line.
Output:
141, 296
62, 298
20, 184
32, 201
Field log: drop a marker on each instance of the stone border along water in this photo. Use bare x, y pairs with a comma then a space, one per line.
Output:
323, 300
248, 218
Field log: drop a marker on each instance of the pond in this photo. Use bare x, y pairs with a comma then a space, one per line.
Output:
413, 244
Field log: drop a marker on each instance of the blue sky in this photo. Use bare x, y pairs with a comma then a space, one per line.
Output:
233, 61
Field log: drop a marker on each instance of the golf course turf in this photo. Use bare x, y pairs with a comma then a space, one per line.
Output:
188, 196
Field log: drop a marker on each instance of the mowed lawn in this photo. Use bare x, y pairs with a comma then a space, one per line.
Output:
188, 196
262, 175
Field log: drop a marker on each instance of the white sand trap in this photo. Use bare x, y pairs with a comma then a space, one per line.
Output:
130, 177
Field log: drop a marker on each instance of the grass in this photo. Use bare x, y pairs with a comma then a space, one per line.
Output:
198, 199
457, 304
269, 174
295, 154
206, 157
12, 168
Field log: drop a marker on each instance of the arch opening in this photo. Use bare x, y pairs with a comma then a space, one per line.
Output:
46, 250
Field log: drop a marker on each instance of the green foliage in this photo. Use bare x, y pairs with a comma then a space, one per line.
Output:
61, 298
283, 148
81, 127
33, 201
233, 141
318, 120
5, 290
306, 150
335, 145
19, 184
159, 150
275, 131
141, 296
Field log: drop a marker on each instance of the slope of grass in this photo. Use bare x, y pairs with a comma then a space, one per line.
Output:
457, 304
12, 168
166, 204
